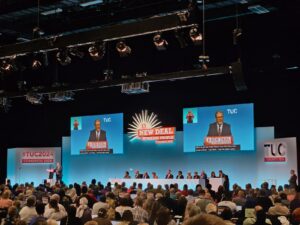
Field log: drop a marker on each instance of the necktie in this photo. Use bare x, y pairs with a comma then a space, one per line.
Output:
219, 130
98, 136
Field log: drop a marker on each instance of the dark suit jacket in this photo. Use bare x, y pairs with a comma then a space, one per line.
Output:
180, 177
93, 136
213, 130
138, 176
170, 176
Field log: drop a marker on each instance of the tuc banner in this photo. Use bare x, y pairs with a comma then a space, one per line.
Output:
43, 156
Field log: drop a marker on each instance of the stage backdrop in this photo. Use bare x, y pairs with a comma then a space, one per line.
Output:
31, 164
241, 166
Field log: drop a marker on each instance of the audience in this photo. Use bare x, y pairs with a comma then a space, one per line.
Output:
149, 205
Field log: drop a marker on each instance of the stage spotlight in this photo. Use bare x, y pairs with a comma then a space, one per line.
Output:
196, 36
63, 57
159, 42
204, 60
97, 51
123, 49
8, 66
36, 64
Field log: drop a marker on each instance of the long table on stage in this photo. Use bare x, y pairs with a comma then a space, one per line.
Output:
192, 183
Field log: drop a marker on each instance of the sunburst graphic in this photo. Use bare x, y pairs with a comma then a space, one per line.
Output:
142, 121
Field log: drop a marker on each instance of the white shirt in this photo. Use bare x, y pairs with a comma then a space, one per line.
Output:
27, 213
99, 205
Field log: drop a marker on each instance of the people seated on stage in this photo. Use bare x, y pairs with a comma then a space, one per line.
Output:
221, 174
213, 174
127, 176
203, 175
179, 175
196, 175
189, 175
138, 175
169, 175
154, 175
146, 175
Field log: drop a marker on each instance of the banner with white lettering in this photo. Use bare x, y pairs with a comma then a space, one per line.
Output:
44, 156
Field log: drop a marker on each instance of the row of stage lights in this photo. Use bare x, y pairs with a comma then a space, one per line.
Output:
96, 52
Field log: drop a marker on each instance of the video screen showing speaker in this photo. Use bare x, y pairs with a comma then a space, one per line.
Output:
219, 128
98, 134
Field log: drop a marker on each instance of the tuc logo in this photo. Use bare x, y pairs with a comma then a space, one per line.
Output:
275, 152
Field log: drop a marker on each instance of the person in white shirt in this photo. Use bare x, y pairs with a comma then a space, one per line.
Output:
54, 212
60, 206
28, 211
100, 205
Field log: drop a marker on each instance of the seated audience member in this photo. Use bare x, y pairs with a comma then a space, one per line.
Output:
202, 201
190, 196
51, 222
226, 215
71, 219
259, 219
12, 216
83, 211
164, 217
278, 209
102, 218
71, 192
189, 175
140, 215
227, 203
295, 203
40, 209
179, 175
122, 207
211, 208
127, 218
263, 200
57, 198
100, 205
127, 176
191, 210
204, 219
240, 200
28, 212
53, 212
5, 202
91, 223
185, 190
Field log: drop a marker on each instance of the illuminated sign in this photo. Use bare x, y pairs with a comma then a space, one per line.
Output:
146, 127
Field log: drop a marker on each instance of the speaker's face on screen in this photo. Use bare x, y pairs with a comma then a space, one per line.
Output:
97, 125
219, 117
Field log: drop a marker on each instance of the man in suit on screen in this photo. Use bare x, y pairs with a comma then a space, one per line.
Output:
97, 134
219, 128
